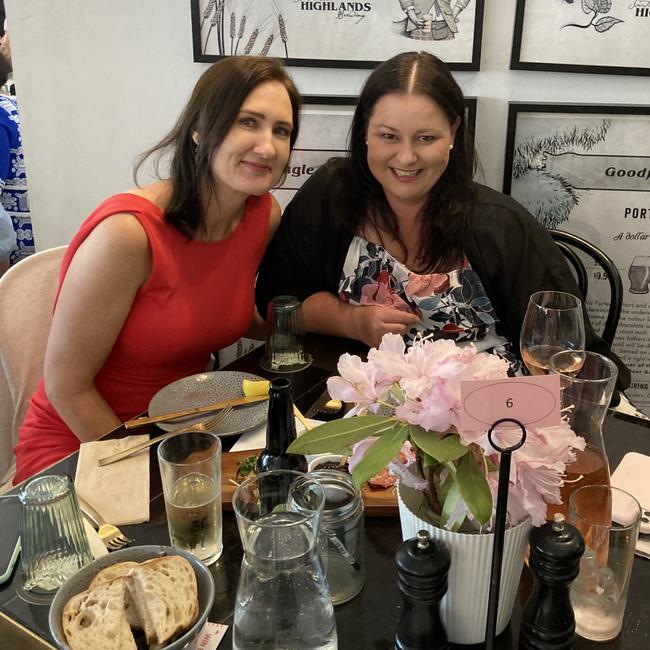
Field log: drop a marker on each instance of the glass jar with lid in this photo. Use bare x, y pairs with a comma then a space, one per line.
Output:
341, 535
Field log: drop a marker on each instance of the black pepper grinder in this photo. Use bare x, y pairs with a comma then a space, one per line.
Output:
422, 568
548, 622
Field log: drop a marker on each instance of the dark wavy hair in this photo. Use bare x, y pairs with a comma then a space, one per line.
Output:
358, 196
211, 111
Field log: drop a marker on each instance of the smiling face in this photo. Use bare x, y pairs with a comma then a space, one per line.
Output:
255, 151
409, 139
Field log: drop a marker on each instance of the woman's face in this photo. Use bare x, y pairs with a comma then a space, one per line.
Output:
409, 139
255, 151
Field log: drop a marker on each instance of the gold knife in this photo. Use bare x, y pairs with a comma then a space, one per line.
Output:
216, 406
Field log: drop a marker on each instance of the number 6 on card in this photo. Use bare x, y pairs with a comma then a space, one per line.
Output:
534, 401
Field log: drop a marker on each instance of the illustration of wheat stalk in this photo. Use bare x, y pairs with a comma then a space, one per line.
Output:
215, 21
251, 41
232, 31
240, 33
267, 46
207, 11
283, 34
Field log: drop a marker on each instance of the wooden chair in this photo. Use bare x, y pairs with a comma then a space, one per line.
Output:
567, 241
27, 293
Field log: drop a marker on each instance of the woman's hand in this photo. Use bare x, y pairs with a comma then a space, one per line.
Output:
326, 313
371, 322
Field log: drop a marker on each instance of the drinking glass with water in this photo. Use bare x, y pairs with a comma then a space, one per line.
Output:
190, 469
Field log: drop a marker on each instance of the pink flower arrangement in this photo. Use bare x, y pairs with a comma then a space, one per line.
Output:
412, 400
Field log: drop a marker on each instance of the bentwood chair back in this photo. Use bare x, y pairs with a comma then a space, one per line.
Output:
27, 293
567, 241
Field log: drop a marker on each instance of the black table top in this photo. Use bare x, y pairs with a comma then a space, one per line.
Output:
370, 619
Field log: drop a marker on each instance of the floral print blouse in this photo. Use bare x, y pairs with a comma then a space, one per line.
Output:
450, 305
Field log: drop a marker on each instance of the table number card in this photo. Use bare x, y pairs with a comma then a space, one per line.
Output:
534, 401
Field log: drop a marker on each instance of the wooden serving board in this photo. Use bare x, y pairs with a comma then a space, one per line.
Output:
377, 502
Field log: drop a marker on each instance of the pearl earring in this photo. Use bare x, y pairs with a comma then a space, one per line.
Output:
451, 146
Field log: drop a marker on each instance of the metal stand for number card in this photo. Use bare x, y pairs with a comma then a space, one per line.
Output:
499, 526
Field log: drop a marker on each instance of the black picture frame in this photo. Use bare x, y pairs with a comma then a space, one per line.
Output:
595, 66
470, 62
585, 170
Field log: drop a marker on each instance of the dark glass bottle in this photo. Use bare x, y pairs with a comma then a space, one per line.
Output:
548, 622
280, 433
422, 567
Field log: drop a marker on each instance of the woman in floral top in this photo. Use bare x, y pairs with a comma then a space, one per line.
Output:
398, 238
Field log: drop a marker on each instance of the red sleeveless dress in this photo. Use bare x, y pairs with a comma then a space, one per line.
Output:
198, 299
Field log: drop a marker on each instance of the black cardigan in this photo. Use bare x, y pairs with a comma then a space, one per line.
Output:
512, 253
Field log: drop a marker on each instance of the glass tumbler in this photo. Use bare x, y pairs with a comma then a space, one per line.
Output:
285, 338
608, 519
282, 597
190, 470
54, 545
341, 535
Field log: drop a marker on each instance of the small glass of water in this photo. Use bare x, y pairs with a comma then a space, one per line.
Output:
608, 519
190, 469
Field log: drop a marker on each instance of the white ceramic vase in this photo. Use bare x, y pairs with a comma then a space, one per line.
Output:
464, 608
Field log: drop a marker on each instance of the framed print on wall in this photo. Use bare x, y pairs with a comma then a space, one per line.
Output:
600, 36
338, 33
586, 170
324, 127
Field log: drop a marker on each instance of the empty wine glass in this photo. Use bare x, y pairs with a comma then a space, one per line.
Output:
553, 322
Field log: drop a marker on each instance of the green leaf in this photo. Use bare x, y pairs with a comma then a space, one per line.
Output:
397, 393
474, 488
442, 449
340, 433
427, 461
451, 499
380, 453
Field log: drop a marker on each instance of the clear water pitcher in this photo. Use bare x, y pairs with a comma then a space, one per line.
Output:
587, 382
283, 602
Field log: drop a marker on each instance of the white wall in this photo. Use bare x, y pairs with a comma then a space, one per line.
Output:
100, 80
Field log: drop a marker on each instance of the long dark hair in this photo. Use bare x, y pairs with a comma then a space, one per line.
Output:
358, 196
211, 111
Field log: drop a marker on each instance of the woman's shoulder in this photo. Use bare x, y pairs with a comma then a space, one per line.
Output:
491, 209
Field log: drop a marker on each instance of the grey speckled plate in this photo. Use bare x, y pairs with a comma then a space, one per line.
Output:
208, 387
80, 581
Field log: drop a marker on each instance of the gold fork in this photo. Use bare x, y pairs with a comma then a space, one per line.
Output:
112, 536
208, 425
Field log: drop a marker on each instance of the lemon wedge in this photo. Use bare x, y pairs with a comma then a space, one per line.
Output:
253, 388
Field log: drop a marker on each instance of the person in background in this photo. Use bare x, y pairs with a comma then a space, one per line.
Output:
13, 178
396, 237
158, 277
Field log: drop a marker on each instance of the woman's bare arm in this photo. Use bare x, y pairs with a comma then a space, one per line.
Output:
95, 299
325, 313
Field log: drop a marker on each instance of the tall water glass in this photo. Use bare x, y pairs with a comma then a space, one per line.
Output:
285, 338
608, 519
190, 469
553, 322
587, 382
282, 599
54, 545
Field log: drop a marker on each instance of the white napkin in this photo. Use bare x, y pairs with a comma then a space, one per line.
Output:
120, 491
256, 439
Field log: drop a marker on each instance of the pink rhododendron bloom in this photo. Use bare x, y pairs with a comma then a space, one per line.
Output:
422, 385
357, 381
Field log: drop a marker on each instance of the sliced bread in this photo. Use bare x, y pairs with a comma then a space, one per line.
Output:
95, 619
165, 595
117, 571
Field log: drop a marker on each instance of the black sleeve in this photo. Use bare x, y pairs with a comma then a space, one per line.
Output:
515, 256
307, 252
